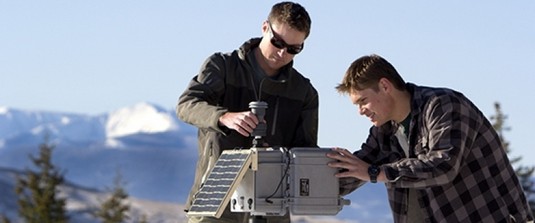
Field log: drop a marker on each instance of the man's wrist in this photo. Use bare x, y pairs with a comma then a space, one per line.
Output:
373, 172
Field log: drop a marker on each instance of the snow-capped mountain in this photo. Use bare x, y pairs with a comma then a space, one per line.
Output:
27, 127
144, 142
141, 118
21, 127
153, 151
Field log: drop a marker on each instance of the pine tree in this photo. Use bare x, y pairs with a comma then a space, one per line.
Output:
4, 219
524, 173
115, 208
38, 190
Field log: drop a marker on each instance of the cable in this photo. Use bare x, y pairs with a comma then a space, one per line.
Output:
268, 199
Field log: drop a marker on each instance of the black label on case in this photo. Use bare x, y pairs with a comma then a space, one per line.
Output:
304, 187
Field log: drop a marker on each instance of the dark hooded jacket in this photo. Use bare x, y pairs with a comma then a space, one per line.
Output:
226, 83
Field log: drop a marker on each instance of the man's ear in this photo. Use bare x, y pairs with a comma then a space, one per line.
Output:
265, 27
385, 85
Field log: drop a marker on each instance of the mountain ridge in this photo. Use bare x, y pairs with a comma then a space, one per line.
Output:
127, 140
141, 118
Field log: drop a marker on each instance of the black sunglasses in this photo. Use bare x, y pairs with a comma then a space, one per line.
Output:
280, 44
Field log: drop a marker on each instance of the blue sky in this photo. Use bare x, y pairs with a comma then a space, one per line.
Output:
93, 57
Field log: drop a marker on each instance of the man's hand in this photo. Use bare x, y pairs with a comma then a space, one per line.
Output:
243, 122
346, 160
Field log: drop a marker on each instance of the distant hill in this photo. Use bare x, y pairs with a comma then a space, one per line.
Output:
81, 202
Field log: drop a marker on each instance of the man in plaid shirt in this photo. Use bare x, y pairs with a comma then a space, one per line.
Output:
439, 157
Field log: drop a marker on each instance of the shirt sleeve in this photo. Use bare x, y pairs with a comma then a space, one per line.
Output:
198, 105
447, 127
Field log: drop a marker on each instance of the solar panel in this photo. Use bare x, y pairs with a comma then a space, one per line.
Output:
214, 195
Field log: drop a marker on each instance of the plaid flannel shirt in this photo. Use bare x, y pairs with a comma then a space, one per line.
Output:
456, 163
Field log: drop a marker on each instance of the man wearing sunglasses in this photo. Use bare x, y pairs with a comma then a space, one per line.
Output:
217, 98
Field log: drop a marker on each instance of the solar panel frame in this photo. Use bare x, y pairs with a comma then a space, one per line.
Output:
225, 176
